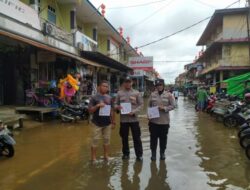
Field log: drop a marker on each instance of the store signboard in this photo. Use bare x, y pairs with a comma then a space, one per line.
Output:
21, 12
141, 63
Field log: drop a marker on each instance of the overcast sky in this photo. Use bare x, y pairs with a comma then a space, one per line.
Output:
153, 21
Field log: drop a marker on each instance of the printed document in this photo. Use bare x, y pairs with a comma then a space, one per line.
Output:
126, 108
105, 111
153, 112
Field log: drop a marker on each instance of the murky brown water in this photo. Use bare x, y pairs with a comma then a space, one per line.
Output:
202, 154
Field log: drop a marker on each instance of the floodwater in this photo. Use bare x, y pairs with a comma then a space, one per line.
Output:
201, 154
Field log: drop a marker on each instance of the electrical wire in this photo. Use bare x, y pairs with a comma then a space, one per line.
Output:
206, 4
151, 15
140, 22
179, 31
138, 5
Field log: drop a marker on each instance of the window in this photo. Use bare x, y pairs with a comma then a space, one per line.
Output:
108, 45
95, 34
51, 14
124, 55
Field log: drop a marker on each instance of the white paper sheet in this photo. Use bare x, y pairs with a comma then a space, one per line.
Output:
126, 108
105, 111
153, 112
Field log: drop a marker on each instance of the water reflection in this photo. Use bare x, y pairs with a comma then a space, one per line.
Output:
201, 154
158, 176
130, 175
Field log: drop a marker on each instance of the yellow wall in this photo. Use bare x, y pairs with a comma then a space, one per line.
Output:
102, 44
234, 26
63, 16
239, 55
88, 30
27, 2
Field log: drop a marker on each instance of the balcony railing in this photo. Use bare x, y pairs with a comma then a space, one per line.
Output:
84, 42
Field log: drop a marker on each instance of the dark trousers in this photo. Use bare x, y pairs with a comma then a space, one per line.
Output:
158, 132
136, 134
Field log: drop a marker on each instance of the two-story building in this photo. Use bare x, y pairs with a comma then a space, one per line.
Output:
226, 41
43, 40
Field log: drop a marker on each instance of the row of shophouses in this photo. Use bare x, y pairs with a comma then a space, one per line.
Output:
43, 40
225, 50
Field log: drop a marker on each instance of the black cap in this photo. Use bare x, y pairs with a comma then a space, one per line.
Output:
159, 81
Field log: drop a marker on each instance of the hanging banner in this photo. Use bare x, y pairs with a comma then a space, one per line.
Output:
141, 63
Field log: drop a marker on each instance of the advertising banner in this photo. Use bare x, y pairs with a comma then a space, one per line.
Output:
141, 63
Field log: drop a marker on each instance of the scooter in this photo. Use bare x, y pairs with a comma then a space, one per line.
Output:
211, 104
237, 115
71, 112
6, 142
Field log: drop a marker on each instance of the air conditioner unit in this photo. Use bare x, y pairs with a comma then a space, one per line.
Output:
80, 46
47, 28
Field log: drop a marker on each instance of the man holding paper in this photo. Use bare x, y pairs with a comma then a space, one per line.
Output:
160, 103
103, 117
129, 102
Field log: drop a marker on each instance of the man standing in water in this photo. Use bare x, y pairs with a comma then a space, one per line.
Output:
163, 102
202, 97
103, 117
129, 102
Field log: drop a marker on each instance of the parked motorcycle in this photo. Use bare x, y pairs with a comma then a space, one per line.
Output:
245, 138
211, 103
71, 112
243, 127
6, 142
247, 152
237, 115
37, 98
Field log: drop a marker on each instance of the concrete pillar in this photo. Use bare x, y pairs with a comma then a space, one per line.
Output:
221, 76
94, 82
35, 5
214, 78
108, 79
73, 25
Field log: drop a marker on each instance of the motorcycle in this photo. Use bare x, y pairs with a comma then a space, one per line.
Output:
237, 115
72, 112
6, 142
211, 103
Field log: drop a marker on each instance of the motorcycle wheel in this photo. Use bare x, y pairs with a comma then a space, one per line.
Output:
230, 122
240, 133
245, 141
47, 102
65, 112
8, 151
30, 101
247, 151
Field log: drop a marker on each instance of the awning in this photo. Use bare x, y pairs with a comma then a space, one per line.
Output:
105, 60
48, 48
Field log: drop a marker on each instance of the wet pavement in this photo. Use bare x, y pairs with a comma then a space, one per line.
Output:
201, 154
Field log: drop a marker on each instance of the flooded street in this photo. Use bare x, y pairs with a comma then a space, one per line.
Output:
201, 154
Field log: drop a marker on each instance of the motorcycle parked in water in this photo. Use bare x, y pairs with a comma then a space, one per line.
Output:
237, 115
6, 142
72, 112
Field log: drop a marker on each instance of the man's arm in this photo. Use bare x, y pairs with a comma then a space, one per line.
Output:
140, 104
117, 105
93, 107
171, 105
